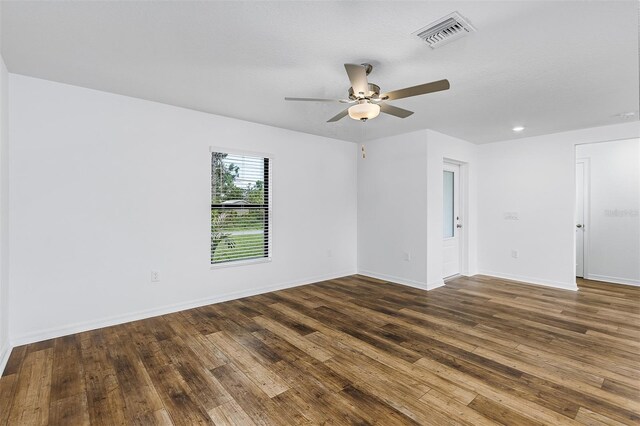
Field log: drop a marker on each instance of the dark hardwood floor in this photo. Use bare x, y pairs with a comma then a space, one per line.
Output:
348, 351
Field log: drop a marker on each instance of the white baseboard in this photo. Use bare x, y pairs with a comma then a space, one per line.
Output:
398, 280
436, 284
168, 309
530, 280
394, 279
5, 352
614, 280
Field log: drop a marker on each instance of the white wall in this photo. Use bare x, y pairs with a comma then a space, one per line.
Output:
105, 188
4, 217
613, 234
392, 208
400, 207
534, 177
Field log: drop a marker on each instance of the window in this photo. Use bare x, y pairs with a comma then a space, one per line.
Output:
448, 202
239, 207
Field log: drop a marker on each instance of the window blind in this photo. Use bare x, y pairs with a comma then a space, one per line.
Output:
239, 207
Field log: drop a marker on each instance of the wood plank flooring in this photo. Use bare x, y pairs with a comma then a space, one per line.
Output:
348, 351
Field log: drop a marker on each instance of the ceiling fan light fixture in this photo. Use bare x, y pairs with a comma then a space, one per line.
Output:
364, 110
366, 97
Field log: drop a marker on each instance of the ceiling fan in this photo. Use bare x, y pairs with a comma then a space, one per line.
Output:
367, 100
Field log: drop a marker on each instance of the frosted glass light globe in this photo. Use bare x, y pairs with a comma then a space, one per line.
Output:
364, 110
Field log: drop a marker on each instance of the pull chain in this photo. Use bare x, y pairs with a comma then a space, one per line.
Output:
364, 135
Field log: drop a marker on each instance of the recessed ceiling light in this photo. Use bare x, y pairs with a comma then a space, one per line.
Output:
518, 128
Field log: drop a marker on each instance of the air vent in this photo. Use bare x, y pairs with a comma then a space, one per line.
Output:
445, 30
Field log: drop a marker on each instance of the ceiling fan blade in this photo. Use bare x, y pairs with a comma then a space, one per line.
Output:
395, 111
358, 78
421, 89
316, 100
338, 116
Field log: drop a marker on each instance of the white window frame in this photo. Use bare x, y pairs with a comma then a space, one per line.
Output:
245, 262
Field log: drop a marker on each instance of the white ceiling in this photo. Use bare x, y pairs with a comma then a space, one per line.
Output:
550, 66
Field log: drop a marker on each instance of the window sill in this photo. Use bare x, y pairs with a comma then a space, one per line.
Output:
240, 263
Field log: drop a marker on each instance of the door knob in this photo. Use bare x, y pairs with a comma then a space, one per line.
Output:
578, 226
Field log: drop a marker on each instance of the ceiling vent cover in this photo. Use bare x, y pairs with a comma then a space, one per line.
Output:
445, 30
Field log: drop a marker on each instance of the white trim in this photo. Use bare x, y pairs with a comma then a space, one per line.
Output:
437, 284
168, 309
463, 212
242, 262
398, 280
391, 278
235, 151
586, 214
270, 203
530, 280
5, 353
603, 140
458, 205
614, 280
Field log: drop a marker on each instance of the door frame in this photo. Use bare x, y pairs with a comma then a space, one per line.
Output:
454, 241
463, 210
586, 214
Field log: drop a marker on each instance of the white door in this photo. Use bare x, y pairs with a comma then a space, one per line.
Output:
581, 182
451, 220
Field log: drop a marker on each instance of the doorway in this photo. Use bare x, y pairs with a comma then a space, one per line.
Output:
607, 215
451, 220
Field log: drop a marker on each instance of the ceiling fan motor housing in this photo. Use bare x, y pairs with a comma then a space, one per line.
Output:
373, 93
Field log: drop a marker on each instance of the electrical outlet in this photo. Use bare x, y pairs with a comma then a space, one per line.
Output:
510, 216
329, 253
406, 256
514, 254
155, 276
